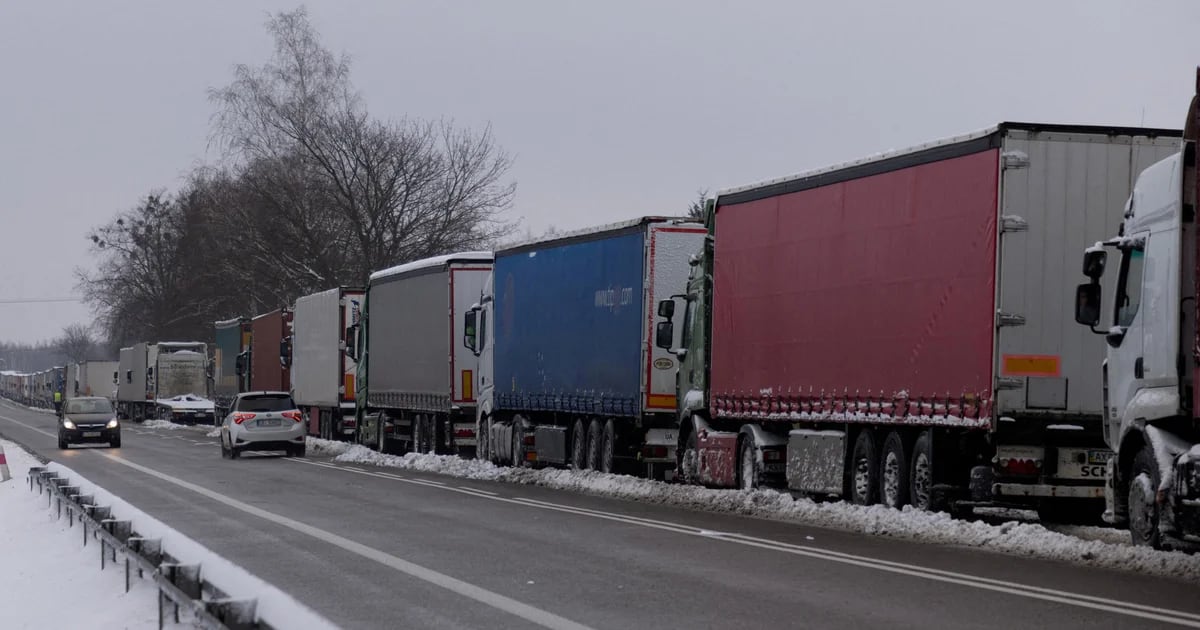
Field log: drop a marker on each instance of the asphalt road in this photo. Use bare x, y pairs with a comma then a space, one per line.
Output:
378, 548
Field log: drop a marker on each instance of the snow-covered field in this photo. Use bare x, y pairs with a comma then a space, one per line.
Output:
48, 579
1093, 546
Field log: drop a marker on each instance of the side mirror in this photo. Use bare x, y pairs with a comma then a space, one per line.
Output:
1093, 263
1087, 304
285, 352
239, 364
470, 319
116, 377
664, 334
666, 309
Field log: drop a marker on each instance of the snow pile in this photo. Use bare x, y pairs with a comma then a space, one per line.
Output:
1091, 546
215, 432
171, 426
275, 607
46, 565
325, 448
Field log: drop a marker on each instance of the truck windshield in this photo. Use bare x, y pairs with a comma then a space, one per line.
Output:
88, 406
1129, 288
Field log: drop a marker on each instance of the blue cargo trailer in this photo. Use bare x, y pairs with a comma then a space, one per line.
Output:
569, 372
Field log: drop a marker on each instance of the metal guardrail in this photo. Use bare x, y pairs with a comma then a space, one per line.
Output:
178, 584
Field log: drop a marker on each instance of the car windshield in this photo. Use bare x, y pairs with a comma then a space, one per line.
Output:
281, 402
88, 406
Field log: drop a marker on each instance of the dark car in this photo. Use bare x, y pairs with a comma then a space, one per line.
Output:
88, 420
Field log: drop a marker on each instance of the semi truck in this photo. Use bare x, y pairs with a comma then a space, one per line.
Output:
91, 378
231, 355
166, 380
893, 330
414, 389
1151, 366
568, 370
270, 351
322, 369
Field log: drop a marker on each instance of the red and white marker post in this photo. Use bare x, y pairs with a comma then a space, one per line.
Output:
4, 474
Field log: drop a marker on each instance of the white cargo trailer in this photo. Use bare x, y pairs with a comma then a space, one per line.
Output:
167, 379
415, 385
322, 372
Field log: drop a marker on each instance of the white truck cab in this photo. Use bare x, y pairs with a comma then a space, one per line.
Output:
1150, 373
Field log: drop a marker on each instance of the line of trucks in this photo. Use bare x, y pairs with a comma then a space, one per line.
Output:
893, 330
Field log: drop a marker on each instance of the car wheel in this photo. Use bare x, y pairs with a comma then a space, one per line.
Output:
579, 445
299, 450
234, 453
63, 443
1143, 509
224, 449
920, 475
748, 467
893, 472
115, 443
864, 469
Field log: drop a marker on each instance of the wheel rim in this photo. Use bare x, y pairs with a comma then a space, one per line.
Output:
891, 479
920, 481
748, 476
593, 450
1141, 510
862, 479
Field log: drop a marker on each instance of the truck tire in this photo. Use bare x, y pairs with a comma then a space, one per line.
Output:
688, 464
749, 470
608, 448
1143, 509
864, 469
579, 445
894, 472
518, 445
595, 437
920, 476
481, 440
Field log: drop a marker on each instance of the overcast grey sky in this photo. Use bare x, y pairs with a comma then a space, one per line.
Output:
612, 109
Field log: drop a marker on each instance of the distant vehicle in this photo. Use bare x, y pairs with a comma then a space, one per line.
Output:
151, 375
91, 378
271, 351
231, 358
88, 419
263, 421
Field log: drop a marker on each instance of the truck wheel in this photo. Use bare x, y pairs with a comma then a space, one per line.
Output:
481, 440
920, 477
579, 445
518, 445
608, 447
689, 472
864, 469
748, 466
595, 436
1143, 509
893, 472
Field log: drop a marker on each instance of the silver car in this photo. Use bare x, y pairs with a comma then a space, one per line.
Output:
263, 421
88, 419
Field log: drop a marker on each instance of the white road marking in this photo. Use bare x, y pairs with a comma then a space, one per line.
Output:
525, 611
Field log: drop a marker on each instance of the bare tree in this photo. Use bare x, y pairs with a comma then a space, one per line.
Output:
400, 190
76, 343
698, 208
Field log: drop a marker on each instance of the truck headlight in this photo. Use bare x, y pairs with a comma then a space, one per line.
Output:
67, 424
112, 424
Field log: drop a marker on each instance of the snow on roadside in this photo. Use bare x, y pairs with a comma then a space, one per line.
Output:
1092, 546
46, 564
172, 426
326, 448
275, 607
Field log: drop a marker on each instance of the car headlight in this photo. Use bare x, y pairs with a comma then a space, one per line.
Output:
67, 424
112, 424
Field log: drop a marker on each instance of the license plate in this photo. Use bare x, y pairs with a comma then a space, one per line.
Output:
1099, 457
774, 468
88, 434
1078, 463
268, 422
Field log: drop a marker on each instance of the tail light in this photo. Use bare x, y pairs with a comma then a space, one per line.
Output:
1017, 466
293, 415
655, 452
241, 417
464, 433
772, 455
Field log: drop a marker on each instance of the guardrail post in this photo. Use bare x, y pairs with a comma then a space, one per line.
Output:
236, 614
33, 472
185, 577
148, 548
